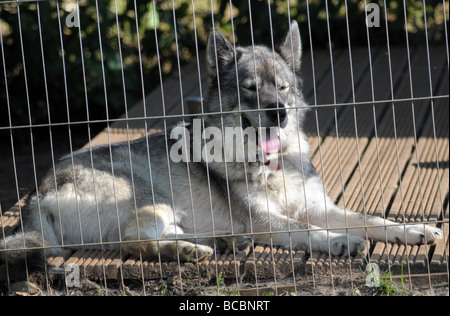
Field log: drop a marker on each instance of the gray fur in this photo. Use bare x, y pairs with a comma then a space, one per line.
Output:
123, 199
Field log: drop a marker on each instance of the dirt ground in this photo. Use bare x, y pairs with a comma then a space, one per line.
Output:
39, 285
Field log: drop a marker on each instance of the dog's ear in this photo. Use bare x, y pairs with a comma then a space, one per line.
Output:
291, 47
219, 52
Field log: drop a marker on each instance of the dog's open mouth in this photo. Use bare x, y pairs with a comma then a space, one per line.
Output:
268, 140
271, 144
268, 137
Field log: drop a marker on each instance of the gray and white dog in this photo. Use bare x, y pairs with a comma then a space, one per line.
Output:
137, 196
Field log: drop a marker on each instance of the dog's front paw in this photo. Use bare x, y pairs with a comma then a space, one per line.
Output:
228, 244
343, 245
420, 234
193, 253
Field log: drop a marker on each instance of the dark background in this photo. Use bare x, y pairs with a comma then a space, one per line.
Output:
86, 86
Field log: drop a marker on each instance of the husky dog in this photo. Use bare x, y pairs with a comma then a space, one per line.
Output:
133, 195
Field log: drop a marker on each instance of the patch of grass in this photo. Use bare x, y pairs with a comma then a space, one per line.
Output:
220, 285
162, 289
197, 293
383, 283
221, 289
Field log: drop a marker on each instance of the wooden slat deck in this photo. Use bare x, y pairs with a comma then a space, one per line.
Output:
384, 158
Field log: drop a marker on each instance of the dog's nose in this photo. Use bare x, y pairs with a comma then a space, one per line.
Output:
279, 111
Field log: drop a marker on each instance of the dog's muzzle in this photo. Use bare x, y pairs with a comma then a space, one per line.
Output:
278, 115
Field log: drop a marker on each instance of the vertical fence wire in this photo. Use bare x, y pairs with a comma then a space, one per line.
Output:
335, 104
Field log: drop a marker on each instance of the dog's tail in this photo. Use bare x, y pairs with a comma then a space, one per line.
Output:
28, 248
24, 252
22, 249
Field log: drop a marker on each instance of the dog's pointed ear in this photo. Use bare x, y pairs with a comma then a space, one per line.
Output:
220, 52
291, 47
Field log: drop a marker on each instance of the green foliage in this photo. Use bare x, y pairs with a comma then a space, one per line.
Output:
335, 13
90, 68
110, 79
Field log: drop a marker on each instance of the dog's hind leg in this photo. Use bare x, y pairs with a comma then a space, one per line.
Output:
155, 234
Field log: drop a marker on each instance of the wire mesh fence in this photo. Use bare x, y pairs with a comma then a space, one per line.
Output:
213, 164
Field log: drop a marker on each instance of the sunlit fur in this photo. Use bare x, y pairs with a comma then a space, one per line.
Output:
132, 195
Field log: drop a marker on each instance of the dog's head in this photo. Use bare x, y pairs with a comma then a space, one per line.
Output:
259, 86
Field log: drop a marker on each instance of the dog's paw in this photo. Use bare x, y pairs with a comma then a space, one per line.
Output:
190, 252
344, 245
419, 234
228, 244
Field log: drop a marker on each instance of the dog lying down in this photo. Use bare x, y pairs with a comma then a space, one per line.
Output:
148, 198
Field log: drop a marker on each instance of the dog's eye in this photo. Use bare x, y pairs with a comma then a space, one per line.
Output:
283, 87
250, 87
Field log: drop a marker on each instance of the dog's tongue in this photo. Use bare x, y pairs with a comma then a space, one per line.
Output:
271, 144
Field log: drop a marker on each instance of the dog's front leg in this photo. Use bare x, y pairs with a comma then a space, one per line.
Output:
318, 209
274, 228
376, 227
